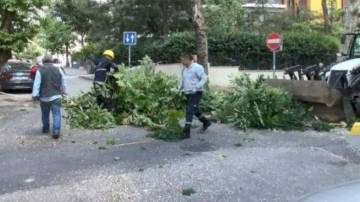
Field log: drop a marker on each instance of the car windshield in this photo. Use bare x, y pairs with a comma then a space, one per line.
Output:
18, 66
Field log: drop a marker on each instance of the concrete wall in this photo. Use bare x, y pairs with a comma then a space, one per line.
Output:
220, 75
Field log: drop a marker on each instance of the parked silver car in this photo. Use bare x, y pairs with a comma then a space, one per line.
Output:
15, 75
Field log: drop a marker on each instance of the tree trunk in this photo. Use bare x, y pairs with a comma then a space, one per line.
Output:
165, 10
293, 8
6, 26
67, 54
327, 25
82, 40
5, 55
351, 20
201, 36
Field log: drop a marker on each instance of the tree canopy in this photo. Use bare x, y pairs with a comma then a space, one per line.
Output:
102, 23
19, 22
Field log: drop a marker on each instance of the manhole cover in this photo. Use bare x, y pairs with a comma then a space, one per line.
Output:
199, 147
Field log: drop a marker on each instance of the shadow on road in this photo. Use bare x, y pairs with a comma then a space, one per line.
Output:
16, 92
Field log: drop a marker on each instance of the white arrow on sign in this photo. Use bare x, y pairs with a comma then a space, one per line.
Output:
132, 38
127, 38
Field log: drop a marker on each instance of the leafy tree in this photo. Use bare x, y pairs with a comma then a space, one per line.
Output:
151, 17
56, 35
18, 23
31, 51
79, 14
214, 14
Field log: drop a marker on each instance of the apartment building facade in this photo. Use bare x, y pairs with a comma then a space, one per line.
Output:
312, 5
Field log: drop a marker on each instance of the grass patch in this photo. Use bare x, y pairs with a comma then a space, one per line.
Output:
111, 141
322, 126
248, 139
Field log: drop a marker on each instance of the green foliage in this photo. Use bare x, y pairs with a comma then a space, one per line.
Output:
56, 34
148, 99
32, 51
142, 98
169, 49
91, 18
111, 141
322, 126
211, 101
216, 20
305, 21
188, 192
84, 112
86, 52
299, 48
257, 105
19, 22
79, 14
172, 129
224, 48
166, 50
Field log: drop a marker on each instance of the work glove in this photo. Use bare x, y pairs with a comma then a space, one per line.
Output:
193, 91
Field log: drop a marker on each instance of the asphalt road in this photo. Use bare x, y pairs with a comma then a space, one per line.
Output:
222, 165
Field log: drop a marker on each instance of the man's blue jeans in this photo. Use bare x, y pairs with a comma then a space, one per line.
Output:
55, 108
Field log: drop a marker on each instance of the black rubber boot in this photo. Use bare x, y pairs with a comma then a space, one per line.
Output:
186, 132
56, 135
206, 124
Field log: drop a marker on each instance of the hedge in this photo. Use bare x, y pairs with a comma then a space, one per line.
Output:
241, 48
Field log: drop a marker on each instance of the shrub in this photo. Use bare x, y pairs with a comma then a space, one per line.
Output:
257, 105
148, 99
250, 50
246, 49
84, 112
142, 98
172, 130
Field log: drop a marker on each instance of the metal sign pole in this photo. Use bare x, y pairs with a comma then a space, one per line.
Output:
129, 56
274, 63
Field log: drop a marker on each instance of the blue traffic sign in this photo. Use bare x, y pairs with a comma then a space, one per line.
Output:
130, 38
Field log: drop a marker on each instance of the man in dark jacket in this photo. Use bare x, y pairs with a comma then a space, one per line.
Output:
49, 87
104, 66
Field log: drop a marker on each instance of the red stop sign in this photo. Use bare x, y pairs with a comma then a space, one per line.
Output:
273, 41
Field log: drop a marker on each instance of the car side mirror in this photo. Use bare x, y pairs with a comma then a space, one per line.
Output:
343, 39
